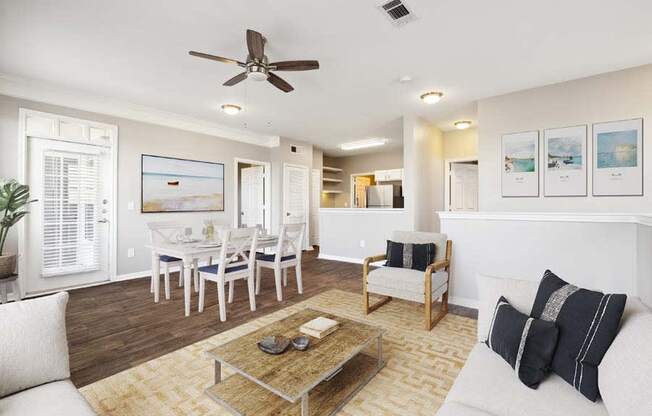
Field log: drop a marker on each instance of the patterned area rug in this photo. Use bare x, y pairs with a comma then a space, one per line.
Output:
420, 370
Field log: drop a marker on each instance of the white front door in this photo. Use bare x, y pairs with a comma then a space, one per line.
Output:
463, 187
252, 197
296, 182
314, 207
68, 229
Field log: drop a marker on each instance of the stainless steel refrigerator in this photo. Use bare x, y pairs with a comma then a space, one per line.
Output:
380, 196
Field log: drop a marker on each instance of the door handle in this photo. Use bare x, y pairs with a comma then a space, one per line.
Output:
287, 214
103, 221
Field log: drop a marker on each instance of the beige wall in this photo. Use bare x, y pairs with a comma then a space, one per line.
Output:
614, 96
460, 144
136, 138
423, 184
365, 163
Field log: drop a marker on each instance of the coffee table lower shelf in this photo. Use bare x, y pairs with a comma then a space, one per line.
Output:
243, 397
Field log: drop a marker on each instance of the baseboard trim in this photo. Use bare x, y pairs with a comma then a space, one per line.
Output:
136, 275
323, 256
466, 302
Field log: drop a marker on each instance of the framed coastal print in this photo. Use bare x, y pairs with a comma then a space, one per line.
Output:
520, 164
618, 158
180, 185
565, 168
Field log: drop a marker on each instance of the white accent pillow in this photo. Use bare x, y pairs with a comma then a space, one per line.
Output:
33, 344
519, 293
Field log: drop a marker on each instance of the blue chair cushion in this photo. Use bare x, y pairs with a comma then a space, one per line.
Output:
271, 257
213, 268
169, 259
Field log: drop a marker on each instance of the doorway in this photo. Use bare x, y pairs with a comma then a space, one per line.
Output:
359, 184
251, 206
461, 190
68, 239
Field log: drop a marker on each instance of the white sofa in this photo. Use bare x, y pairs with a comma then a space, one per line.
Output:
34, 365
487, 385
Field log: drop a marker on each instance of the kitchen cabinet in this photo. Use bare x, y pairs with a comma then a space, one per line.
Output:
388, 175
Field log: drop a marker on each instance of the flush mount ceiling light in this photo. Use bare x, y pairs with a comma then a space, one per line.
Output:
362, 144
231, 109
431, 97
462, 124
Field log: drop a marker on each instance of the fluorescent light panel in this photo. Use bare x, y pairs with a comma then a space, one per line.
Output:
363, 144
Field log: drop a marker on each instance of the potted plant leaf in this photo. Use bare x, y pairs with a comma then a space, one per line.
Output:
14, 197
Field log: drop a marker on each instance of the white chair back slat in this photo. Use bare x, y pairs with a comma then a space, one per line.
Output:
290, 241
241, 243
164, 231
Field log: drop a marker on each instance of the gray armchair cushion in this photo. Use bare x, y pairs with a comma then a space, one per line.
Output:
418, 237
405, 283
33, 344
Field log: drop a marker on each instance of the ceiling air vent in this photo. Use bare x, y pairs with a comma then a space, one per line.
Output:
397, 11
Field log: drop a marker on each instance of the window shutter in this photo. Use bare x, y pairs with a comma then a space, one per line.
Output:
71, 209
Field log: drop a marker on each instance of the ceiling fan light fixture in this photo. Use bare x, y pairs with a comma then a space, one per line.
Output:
231, 109
363, 144
257, 73
462, 124
432, 97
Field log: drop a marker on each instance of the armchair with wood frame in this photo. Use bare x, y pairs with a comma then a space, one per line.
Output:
408, 284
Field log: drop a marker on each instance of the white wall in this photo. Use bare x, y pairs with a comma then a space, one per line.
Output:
423, 184
614, 96
342, 231
604, 252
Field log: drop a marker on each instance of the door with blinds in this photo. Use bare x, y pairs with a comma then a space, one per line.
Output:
296, 182
67, 231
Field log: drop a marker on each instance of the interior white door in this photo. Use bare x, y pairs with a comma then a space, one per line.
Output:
252, 196
295, 197
463, 187
68, 228
314, 207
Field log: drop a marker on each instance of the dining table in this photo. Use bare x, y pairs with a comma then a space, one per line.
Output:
189, 253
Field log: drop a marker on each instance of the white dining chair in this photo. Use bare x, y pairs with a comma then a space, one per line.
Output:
237, 261
166, 232
287, 254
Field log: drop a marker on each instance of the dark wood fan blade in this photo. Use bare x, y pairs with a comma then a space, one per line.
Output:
236, 79
255, 44
294, 65
279, 83
216, 58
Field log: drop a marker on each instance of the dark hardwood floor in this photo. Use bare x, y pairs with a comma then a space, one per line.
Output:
117, 326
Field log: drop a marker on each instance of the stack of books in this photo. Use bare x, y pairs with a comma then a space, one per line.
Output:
319, 327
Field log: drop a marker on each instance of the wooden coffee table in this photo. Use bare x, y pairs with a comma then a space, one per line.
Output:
318, 381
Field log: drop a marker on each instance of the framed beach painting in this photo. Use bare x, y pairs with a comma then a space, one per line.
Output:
565, 168
520, 164
180, 185
618, 158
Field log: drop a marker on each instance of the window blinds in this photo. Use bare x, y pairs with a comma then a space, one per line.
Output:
71, 209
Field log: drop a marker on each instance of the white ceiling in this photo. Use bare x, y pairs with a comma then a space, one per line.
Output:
137, 51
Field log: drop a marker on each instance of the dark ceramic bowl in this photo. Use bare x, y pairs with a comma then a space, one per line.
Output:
301, 343
275, 344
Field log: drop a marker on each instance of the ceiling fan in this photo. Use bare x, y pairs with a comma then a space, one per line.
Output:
258, 67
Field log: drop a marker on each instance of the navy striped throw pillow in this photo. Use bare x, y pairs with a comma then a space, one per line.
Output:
410, 256
527, 344
588, 322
